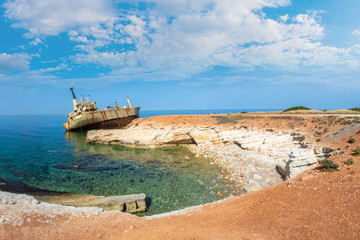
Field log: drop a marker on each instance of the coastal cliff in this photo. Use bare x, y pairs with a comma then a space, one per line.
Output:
256, 150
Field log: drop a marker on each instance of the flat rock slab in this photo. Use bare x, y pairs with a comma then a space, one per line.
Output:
127, 203
132, 203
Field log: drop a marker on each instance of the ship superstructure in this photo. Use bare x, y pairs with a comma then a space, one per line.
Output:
85, 115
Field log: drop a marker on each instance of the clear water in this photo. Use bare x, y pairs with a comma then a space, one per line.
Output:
36, 150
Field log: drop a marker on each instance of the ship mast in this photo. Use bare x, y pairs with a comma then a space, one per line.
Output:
75, 102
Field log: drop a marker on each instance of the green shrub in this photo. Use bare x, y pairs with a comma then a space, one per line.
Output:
296, 108
351, 140
356, 151
318, 140
349, 161
356, 120
225, 119
328, 166
355, 109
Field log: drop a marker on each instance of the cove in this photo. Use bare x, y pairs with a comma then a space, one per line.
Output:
35, 151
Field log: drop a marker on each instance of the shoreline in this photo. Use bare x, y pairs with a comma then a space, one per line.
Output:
233, 142
307, 191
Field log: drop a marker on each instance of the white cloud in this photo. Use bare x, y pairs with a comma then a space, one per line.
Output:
284, 18
184, 38
180, 39
36, 42
61, 66
42, 18
14, 62
356, 32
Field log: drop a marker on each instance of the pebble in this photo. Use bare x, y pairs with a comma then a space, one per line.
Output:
131, 227
257, 177
4, 202
219, 194
201, 183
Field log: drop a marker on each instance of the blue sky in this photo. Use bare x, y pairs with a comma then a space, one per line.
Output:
179, 54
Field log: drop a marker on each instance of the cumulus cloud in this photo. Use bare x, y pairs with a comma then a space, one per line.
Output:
42, 18
184, 38
179, 39
14, 62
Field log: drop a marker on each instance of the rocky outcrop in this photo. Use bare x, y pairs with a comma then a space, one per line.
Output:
150, 137
13, 207
132, 203
254, 159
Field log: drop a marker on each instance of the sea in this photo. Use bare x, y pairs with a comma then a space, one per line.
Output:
37, 153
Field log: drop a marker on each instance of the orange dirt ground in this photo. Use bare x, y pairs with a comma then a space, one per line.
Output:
314, 205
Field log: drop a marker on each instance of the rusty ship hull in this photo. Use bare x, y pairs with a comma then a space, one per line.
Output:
103, 118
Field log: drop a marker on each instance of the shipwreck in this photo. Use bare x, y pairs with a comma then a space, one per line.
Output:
86, 115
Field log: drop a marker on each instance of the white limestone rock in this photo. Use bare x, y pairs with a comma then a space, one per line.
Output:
243, 152
299, 161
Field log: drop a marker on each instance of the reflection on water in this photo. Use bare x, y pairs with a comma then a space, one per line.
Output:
172, 178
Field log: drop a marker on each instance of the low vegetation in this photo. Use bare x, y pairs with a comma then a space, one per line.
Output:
351, 140
356, 120
349, 161
356, 151
226, 119
355, 109
328, 166
297, 108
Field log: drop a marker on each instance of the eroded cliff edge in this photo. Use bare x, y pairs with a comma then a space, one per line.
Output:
256, 150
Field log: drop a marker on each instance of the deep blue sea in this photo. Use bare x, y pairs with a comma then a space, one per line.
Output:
38, 152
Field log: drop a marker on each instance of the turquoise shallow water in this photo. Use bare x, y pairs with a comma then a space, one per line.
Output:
35, 150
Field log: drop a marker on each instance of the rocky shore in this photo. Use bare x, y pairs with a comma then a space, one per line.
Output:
17, 205
254, 158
